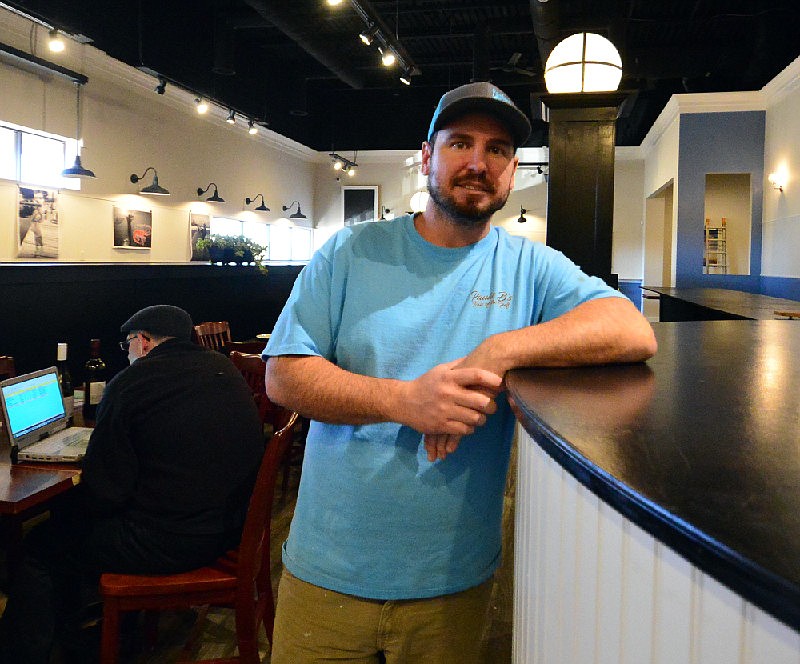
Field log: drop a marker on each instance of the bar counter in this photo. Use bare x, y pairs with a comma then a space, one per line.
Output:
683, 304
658, 504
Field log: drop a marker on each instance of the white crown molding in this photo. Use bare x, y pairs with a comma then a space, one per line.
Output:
784, 84
702, 102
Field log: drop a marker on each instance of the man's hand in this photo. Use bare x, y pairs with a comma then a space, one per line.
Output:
438, 446
449, 399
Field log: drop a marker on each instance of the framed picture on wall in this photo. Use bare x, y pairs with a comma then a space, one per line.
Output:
133, 229
199, 229
359, 204
37, 223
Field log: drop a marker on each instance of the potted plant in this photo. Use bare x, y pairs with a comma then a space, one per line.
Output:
226, 249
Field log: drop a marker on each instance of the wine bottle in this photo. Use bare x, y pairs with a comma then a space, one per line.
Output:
95, 383
65, 381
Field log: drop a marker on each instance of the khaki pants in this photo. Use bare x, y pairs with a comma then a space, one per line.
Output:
313, 624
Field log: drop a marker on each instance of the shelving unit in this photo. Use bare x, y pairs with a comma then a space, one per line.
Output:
715, 254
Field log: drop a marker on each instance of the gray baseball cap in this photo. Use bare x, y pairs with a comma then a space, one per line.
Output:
481, 97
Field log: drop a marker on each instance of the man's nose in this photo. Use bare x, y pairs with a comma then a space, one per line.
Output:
477, 160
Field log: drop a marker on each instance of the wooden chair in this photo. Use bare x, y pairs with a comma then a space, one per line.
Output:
253, 368
214, 335
240, 579
7, 368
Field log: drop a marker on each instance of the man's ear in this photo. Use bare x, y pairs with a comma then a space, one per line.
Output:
427, 155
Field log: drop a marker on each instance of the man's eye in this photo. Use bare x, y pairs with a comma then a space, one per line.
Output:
458, 145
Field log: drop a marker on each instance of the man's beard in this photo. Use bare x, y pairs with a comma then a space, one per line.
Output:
464, 214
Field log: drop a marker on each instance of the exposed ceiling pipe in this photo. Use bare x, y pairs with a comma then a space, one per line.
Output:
305, 36
546, 28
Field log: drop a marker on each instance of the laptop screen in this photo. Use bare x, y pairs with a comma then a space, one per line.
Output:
32, 401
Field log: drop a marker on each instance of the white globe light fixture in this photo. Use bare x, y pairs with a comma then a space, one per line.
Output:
419, 201
583, 62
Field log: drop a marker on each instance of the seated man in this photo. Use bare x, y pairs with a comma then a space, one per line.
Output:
165, 486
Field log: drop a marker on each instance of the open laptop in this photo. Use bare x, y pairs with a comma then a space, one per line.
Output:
33, 410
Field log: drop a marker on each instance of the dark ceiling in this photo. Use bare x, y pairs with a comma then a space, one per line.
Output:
299, 65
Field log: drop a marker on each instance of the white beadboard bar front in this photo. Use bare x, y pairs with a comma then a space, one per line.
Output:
591, 587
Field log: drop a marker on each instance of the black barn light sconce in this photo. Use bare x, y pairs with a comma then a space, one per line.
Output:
522, 218
153, 189
261, 208
77, 170
215, 197
295, 215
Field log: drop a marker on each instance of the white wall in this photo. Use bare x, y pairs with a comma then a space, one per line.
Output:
781, 211
127, 127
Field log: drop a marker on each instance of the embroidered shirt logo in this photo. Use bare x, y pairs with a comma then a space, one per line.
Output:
501, 299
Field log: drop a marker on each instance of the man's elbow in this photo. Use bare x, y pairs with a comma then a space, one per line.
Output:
274, 382
644, 345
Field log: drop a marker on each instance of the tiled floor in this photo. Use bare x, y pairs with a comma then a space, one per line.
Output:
218, 637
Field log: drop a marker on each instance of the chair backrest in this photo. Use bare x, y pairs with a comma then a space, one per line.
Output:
254, 548
252, 368
7, 367
213, 334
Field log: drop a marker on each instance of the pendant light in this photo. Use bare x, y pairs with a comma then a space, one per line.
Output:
77, 170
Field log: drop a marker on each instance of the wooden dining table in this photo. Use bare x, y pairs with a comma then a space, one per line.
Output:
28, 489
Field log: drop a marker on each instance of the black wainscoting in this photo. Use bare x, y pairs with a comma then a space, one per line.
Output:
43, 304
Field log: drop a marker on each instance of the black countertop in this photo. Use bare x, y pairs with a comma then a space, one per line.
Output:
738, 304
700, 446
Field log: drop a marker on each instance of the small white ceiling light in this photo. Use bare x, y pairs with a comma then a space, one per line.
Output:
251, 128
583, 62
405, 79
201, 106
56, 42
231, 119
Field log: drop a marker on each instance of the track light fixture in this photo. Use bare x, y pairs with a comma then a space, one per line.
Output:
343, 164
162, 85
405, 78
215, 197
522, 218
56, 41
387, 56
367, 36
201, 105
261, 208
154, 189
77, 170
295, 215
231, 119
251, 128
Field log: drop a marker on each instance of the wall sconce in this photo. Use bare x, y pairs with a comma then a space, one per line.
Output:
154, 189
295, 215
55, 41
386, 214
583, 62
778, 180
77, 170
522, 218
261, 208
419, 201
215, 197
161, 88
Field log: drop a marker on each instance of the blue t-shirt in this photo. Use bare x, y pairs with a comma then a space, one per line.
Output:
374, 517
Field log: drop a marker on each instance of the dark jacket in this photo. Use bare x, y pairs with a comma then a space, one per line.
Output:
177, 443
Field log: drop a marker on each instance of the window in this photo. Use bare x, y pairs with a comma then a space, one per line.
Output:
8, 154
284, 242
35, 157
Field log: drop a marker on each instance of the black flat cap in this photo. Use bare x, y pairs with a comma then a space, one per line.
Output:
481, 97
163, 320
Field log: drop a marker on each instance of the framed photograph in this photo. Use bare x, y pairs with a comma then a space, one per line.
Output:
359, 204
37, 223
133, 229
199, 229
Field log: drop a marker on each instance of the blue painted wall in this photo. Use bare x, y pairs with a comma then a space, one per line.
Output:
632, 289
717, 143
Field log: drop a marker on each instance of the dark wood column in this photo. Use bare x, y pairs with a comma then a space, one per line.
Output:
580, 200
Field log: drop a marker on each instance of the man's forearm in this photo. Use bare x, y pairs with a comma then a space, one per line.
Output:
601, 331
444, 399
320, 390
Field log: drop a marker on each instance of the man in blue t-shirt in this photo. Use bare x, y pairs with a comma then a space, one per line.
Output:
395, 341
